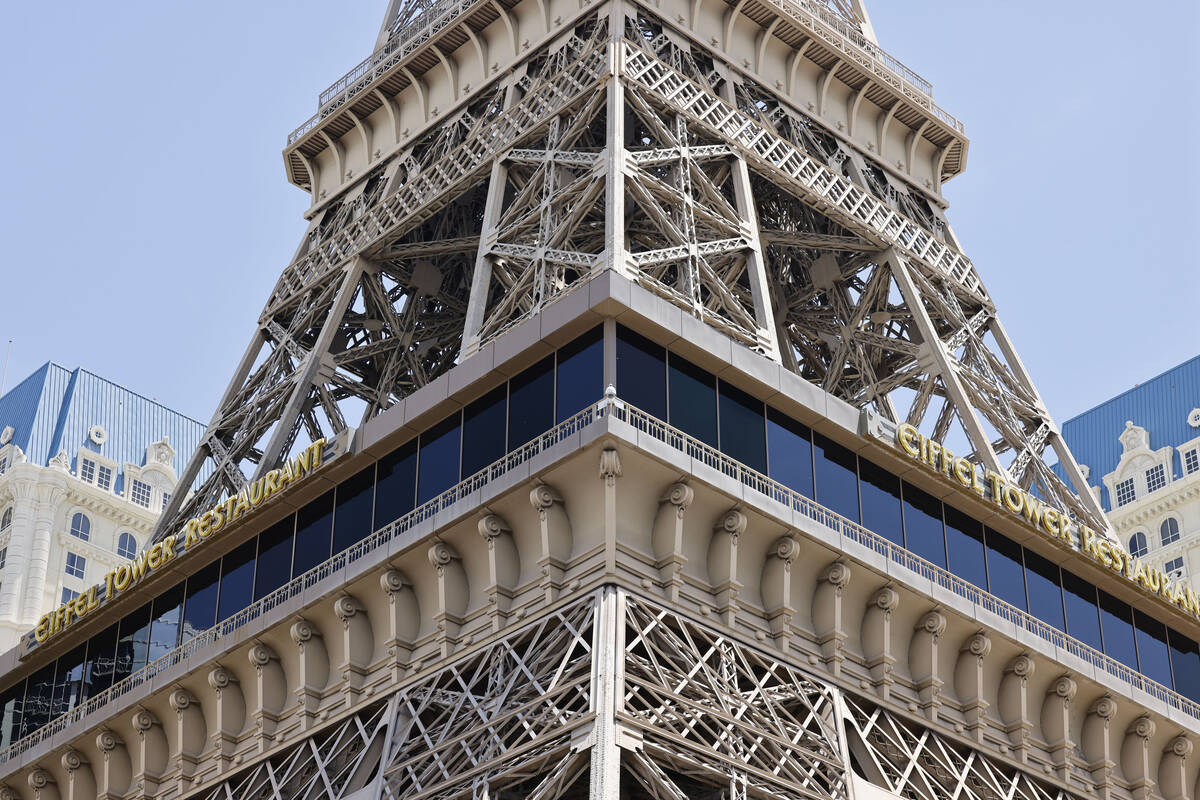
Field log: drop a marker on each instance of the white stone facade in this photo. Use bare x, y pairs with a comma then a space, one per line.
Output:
1161, 522
50, 517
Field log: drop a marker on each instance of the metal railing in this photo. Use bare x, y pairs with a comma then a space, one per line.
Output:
611, 407
835, 33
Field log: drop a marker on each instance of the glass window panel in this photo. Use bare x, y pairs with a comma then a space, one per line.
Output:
68, 681
923, 532
693, 400
274, 557
641, 372
237, 580
880, 491
10, 714
965, 553
483, 431
789, 451
1185, 664
1083, 613
314, 534
580, 373
743, 428
1006, 574
437, 464
355, 500
396, 483
836, 477
101, 661
1153, 658
200, 600
133, 643
164, 628
39, 693
1116, 621
1044, 585
531, 403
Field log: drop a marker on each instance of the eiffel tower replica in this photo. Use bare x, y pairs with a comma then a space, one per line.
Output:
596, 443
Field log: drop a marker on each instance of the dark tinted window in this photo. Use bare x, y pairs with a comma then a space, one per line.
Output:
10, 714
836, 477
1043, 583
68, 681
396, 484
164, 629
237, 580
693, 400
880, 492
531, 403
1153, 659
1083, 614
39, 694
200, 600
484, 431
133, 644
1185, 665
98, 672
641, 372
1006, 574
743, 427
789, 447
1116, 619
964, 548
923, 533
580, 373
437, 464
314, 534
355, 500
274, 567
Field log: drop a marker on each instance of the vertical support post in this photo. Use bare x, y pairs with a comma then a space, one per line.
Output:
606, 689
614, 158
943, 363
481, 278
756, 264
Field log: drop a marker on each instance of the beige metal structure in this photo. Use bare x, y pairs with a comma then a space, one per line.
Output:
617, 608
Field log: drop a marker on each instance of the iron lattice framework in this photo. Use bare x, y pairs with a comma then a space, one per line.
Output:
624, 146
614, 695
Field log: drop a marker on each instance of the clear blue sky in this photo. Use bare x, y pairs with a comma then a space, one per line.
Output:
147, 215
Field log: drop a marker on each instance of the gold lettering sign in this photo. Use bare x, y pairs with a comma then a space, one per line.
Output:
196, 532
1052, 523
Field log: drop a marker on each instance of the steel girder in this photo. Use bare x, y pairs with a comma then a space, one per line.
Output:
613, 695
681, 174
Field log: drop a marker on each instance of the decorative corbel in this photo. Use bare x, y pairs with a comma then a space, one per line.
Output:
81, 780
1056, 723
151, 750
969, 682
722, 563
827, 618
776, 585
1014, 703
271, 694
923, 661
190, 733
404, 620
1173, 771
231, 714
314, 669
1135, 757
556, 538
116, 771
504, 567
666, 538
358, 645
453, 595
877, 640
1097, 742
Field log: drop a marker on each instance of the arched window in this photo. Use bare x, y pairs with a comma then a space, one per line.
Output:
126, 546
81, 526
1137, 545
1169, 530
6, 520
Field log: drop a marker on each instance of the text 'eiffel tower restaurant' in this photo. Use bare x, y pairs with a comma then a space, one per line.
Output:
628, 424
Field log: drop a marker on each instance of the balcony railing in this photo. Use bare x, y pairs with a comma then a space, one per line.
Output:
835, 32
612, 407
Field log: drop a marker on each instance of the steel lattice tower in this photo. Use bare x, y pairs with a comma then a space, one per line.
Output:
612, 603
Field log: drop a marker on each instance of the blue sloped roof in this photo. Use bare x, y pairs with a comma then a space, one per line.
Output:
53, 409
1160, 405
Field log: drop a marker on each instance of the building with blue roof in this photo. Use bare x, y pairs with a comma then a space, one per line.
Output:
86, 466
1141, 452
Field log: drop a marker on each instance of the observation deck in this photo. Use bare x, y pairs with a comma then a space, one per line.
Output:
430, 40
